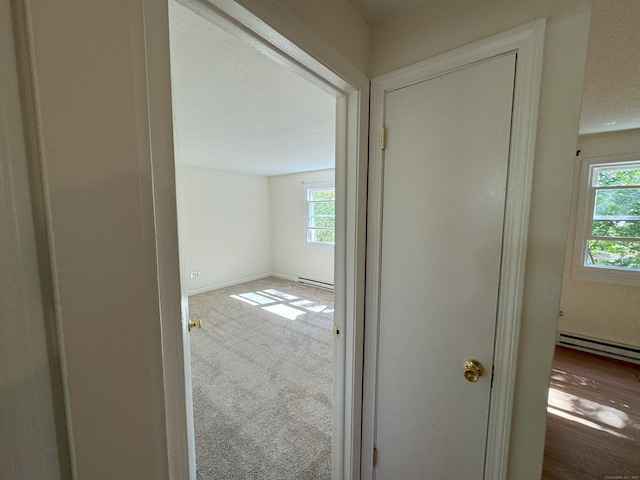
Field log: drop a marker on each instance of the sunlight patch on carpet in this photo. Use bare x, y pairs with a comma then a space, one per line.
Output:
279, 294
243, 300
284, 311
309, 305
255, 297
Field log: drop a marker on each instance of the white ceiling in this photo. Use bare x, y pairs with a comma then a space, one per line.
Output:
237, 110
612, 73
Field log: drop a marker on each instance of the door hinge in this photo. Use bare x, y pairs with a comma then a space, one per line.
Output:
336, 331
493, 369
375, 456
383, 139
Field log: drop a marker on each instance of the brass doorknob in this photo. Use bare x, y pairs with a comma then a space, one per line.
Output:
194, 324
473, 370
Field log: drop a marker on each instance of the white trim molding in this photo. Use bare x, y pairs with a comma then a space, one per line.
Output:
596, 273
527, 43
313, 245
37, 441
230, 283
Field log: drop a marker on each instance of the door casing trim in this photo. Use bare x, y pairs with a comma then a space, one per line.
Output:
527, 42
270, 28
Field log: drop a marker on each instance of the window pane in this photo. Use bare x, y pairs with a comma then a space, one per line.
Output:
322, 236
612, 228
329, 222
618, 202
610, 253
321, 211
322, 208
328, 194
608, 178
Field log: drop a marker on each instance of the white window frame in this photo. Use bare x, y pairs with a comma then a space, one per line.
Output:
586, 202
307, 218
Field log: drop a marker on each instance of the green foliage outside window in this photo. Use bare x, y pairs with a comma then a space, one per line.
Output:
322, 215
615, 232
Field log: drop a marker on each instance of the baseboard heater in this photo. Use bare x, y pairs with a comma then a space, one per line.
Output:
314, 283
600, 347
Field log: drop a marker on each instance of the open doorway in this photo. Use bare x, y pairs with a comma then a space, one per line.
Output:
255, 168
593, 419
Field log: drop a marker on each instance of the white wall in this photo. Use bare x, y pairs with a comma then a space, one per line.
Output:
237, 227
601, 310
289, 255
225, 227
445, 25
338, 23
93, 140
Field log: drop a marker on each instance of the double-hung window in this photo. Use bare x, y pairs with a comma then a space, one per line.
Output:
608, 230
320, 199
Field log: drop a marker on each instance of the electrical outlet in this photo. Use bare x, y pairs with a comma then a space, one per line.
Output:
195, 275
561, 314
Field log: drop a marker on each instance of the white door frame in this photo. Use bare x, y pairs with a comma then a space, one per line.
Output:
270, 28
35, 443
527, 43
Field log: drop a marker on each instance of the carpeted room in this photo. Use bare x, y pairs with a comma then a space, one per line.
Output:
255, 154
262, 381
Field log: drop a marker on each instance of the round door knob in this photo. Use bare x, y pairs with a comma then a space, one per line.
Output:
473, 370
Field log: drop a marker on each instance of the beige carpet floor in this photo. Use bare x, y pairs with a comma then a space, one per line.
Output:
262, 367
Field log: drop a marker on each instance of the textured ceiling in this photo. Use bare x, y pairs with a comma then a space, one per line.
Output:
237, 110
612, 73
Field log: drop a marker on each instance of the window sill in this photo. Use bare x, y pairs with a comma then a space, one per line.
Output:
607, 275
327, 247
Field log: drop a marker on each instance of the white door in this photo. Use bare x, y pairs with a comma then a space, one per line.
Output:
445, 177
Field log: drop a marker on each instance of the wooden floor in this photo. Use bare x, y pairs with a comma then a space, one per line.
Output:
593, 419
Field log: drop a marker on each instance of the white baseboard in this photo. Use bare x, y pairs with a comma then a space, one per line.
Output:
209, 288
599, 347
230, 283
284, 277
